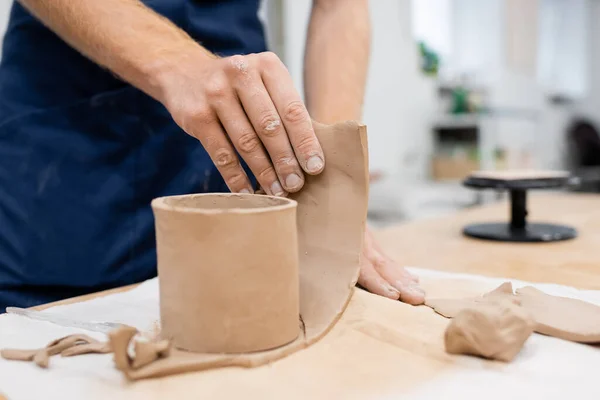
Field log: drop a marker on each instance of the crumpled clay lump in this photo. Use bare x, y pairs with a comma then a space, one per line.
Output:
495, 330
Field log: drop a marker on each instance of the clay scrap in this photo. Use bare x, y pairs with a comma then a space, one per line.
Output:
328, 223
67, 346
144, 353
561, 317
495, 330
496, 324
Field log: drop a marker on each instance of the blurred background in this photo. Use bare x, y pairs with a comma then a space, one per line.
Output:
461, 85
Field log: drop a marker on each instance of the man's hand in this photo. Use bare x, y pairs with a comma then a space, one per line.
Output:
381, 275
336, 60
244, 103
249, 104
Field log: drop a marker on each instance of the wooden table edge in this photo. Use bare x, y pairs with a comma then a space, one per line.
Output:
85, 297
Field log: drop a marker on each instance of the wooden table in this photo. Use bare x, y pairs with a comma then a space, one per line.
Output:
438, 243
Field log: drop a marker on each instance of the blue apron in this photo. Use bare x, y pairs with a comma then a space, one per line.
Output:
82, 154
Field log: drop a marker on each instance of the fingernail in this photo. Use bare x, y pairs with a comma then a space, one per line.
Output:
391, 291
416, 289
412, 287
293, 181
276, 189
314, 164
245, 191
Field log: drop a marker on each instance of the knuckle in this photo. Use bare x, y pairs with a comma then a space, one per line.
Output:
269, 58
267, 173
195, 115
295, 112
238, 64
216, 88
236, 180
270, 125
249, 142
285, 160
224, 158
307, 144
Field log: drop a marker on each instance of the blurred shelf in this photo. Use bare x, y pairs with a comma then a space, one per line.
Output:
456, 121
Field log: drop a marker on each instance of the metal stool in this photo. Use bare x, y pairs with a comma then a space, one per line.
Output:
518, 229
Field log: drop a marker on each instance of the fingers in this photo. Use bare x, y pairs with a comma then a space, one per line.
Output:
294, 115
269, 128
228, 106
370, 279
395, 275
245, 140
400, 271
410, 292
221, 152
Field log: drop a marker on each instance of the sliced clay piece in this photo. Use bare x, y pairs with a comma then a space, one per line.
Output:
67, 346
18, 355
147, 352
119, 340
495, 330
228, 271
42, 358
88, 348
59, 345
562, 317
450, 308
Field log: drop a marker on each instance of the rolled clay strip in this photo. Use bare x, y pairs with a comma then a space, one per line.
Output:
562, 317
88, 348
496, 330
67, 346
332, 211
18, 355
228, 270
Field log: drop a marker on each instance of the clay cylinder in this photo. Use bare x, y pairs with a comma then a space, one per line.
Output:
228, 271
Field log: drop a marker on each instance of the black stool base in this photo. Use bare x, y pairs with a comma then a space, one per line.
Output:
531, 233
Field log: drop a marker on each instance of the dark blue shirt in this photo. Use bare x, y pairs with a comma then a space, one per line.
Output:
83, 153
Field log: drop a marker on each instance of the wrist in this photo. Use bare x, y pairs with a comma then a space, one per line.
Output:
165, 72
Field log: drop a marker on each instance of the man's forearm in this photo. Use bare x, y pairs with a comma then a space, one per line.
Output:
124, 36
239, 106
336, 59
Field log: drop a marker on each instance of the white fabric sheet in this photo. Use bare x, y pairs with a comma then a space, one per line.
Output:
538, 372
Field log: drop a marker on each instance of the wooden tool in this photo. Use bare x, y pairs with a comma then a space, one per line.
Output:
518, 229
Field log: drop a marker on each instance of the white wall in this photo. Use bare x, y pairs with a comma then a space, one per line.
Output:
590, 106
5, 6
477, 36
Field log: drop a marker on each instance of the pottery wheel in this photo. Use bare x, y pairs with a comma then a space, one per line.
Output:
518, 229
